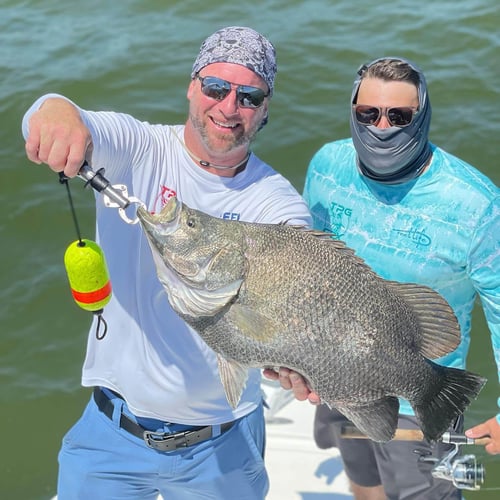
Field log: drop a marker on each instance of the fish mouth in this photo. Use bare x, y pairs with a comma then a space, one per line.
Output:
166, 222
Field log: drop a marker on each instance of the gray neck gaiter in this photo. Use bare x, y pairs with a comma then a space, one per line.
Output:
397, 154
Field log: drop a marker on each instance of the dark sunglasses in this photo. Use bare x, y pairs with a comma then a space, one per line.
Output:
397, 117
219, 89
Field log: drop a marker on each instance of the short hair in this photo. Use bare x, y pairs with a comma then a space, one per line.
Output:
391, 69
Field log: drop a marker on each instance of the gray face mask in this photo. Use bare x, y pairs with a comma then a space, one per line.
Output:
397, 154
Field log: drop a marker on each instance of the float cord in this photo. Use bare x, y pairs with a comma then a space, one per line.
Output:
64, 180
101, 322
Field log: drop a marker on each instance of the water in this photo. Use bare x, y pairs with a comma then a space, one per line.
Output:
135, 56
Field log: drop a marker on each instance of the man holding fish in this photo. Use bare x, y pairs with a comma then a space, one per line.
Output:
158, 420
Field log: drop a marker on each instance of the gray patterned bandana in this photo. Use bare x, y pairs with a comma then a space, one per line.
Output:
239, 45
393, 155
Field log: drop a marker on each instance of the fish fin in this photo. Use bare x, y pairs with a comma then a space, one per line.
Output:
438, 323
234, 377
436, 413
252, 324
377, 419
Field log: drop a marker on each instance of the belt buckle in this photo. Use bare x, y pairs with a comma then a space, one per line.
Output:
163, 441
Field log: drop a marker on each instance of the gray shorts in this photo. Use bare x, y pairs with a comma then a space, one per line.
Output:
395, 464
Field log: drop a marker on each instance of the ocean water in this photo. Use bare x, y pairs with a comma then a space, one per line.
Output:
135, 56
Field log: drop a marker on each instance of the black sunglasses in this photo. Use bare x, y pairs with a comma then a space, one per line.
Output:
219, 89
397, 117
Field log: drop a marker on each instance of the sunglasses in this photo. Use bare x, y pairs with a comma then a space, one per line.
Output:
219, 89
397, 117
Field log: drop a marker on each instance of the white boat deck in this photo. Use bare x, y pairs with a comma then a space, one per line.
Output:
297, 468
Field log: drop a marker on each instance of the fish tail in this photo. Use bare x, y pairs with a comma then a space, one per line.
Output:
457, 389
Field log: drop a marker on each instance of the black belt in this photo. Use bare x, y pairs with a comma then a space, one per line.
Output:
161, 441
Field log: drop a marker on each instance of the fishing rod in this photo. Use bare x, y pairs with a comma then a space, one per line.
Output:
463, 471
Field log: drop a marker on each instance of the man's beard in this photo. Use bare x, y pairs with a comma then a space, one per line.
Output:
226, 142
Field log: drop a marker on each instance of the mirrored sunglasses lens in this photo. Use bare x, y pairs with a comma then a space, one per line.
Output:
400, 117
215, 88
367, 115
250, 97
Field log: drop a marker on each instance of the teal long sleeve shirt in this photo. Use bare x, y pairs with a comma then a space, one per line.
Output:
441, 230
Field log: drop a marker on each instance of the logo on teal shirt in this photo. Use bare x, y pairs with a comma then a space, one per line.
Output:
340, 217
419, 238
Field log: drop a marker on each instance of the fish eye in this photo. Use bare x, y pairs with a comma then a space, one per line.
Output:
190, 222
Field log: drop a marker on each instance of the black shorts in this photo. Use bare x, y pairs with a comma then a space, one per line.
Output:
395, 464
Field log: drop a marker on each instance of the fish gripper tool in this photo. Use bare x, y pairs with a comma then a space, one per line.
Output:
115, 196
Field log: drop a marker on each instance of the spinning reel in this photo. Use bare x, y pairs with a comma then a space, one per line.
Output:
463, 471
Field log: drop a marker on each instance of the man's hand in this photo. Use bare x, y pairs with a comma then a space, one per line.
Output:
58, 137
491, 429
292, 380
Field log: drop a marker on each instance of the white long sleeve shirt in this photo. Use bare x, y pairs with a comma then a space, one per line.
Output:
162, 368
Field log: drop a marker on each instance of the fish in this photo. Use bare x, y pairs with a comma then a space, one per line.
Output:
278, 295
